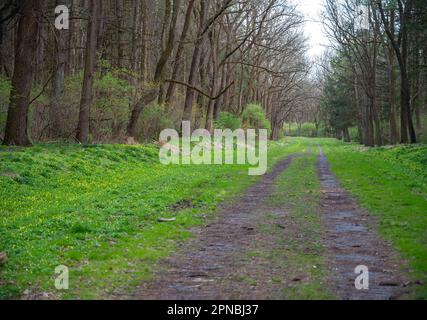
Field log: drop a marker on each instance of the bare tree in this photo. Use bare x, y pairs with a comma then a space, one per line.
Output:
90, 63
401, 48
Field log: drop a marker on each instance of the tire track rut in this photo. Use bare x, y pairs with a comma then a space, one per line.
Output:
205, 267
352, 241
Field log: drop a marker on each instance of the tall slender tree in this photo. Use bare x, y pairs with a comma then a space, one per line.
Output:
90, 63
27, 40
401, 48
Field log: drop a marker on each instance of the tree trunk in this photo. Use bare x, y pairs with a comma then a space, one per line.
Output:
416, 91
406, 112
23, 76
179, 52
204, 63
374, 106
134, 46
360, 120
60, 59
407, 124
143, 9
189, 97
401, 49
119, 33
219, 102
3, 68
90, 61
377, 123
152, 93
346, 134
215, 82
369, 127
392, 98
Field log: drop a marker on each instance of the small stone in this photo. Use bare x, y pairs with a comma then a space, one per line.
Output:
167, 220
201, 280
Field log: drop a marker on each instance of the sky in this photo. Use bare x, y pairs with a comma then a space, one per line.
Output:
311, 9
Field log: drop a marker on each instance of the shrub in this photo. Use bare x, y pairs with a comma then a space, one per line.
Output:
300, 130
4, 101
109, 111
254, 118
308, 130
354, 134
229, 121
154, 119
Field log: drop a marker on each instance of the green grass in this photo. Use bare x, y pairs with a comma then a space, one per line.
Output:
298, 190
392, 184
95, 210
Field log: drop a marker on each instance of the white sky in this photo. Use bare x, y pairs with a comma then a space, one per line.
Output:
313, 27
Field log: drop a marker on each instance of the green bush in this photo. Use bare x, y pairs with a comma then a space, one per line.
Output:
301, 130
4, 101
254, 118
423, 134
228, 121
354, 134
112, 97
308, 130
110, 109
154, 120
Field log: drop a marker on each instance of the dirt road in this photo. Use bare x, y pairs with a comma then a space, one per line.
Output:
241, 254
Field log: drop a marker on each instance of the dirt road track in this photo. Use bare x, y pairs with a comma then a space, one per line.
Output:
205, 267
352, 241
209, 266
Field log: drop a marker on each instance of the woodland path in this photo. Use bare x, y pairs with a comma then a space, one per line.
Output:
217, 263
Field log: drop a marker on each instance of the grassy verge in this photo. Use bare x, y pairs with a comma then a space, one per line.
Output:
392, 184
95, 209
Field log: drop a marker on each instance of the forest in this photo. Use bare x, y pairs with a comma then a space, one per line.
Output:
87, 87
125, 69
